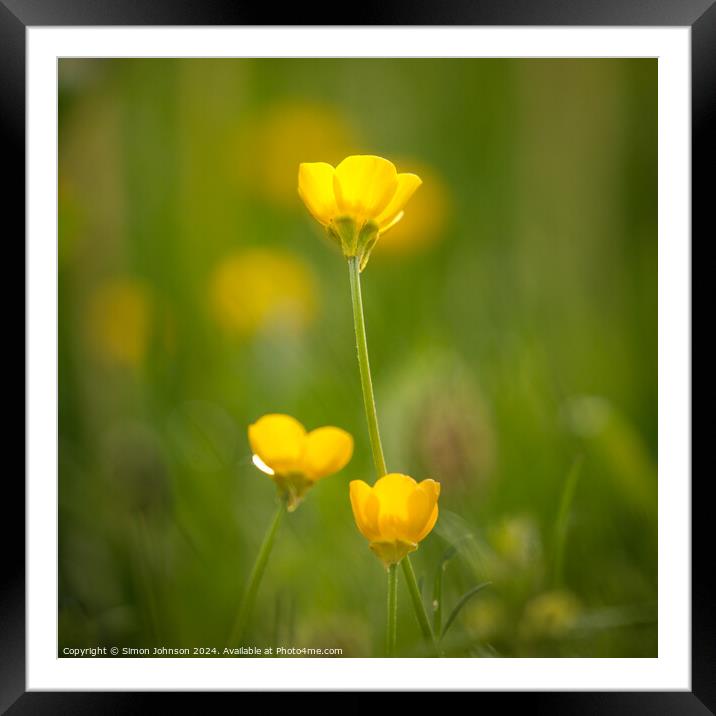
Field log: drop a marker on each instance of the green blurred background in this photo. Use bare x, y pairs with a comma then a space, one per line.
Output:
512, 324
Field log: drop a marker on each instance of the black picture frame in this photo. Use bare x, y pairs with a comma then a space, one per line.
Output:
699, 15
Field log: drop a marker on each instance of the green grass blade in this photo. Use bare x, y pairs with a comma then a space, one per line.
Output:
437, 603
438, 598
561, 526
461, 603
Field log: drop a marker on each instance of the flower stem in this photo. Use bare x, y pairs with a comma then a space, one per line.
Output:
364, 365
257, 572
392, 631
418, 605
379, 460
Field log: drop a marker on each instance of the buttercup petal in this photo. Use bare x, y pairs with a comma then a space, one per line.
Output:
386, 227
393, 491
431, 488
426, 519
428, 525
279, 440
419, 509
407, 185
365, 509
364, 185
327, 450
315, 187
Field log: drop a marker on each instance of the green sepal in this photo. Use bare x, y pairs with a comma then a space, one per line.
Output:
333, 235
392, 552
366, 241
366, 254
292, 488
346, 229
355, 240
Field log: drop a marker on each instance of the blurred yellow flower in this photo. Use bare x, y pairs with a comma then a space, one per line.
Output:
119, 321
274, 142
425, 223
516, 539
486, 618
356, 202
259, 288
550, 615
296, 459
395, 514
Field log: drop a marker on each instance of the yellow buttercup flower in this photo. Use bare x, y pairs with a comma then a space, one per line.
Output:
120, 321
256, 289
356, 202
278, 137
294, 458
550, 615
426, 223
395, 514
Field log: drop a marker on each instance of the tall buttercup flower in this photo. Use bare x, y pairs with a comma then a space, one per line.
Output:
357, 201
294, 458
396, 514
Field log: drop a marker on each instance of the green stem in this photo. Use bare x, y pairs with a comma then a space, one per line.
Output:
257, 572
392, 631
379, 460
418, 605
364, 365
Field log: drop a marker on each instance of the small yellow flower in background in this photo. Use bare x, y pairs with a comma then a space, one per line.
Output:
516, 540
119, 321
255, 289
395, 514
356, 202
279, 137
487, 618
294, 458
550, 615
425, 224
